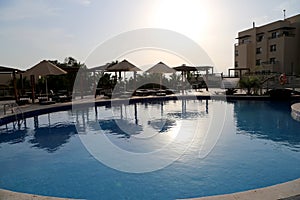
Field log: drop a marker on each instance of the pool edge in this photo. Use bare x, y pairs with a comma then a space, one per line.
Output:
279, 191
275, 192
11, 195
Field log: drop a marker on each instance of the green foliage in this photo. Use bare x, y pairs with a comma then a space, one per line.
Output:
250, 83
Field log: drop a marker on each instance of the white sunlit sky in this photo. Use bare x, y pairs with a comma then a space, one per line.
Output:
33, 30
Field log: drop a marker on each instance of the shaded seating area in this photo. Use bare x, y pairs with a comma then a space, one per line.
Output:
154, 92
43, 68
23, 100
61, 96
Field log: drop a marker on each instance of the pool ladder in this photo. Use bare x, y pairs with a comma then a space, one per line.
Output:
16, 110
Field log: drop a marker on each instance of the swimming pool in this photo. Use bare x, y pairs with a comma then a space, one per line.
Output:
258, 146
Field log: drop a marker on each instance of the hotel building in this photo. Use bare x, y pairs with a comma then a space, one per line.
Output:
274, 47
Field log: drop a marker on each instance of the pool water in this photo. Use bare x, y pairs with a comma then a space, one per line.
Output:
259, 146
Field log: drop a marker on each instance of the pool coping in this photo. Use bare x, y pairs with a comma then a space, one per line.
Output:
296, 111
44, 109
284, 191
11, 195
289, 190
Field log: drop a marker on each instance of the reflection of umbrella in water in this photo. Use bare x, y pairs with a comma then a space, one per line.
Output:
121, 127
13, 137
184, 114
52, 139
162, 124
44, 68
160, 68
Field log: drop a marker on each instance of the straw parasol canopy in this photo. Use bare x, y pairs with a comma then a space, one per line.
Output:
123, 66
185, 68
100, 68
160, 68
44, 68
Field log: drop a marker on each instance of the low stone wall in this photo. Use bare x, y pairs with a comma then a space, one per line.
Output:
296, 111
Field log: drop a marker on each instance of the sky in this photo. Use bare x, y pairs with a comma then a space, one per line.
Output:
33, 30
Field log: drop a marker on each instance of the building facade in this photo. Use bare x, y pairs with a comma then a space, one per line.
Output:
274, 47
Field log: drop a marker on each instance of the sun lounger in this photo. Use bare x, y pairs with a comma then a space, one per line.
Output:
23, 100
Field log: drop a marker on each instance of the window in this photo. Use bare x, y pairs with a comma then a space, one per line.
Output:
245, 41
236, 52
273, 47
259, 38
272, 60
285, 33
258, 50
258, 62
274, 35
236, 64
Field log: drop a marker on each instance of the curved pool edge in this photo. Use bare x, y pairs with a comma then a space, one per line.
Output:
10, 195
31, 110
296, 111
289, 190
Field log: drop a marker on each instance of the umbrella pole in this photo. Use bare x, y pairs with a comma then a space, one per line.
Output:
160, 82
15, 86
125, 86
32, 80
47, 89
182, 81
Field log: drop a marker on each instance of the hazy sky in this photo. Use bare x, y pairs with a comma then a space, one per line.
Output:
33, 30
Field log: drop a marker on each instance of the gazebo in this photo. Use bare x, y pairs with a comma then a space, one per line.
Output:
9, 71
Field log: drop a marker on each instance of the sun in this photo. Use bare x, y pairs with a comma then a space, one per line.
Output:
189, 17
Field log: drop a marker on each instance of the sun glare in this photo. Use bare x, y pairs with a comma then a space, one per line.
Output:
188, 17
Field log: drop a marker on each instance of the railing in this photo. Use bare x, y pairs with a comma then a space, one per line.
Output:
14, 109
281, 35
240, 43
9, 107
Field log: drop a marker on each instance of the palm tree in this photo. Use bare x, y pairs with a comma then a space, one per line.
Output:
250, 83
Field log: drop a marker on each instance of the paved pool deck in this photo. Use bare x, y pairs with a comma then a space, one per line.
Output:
285, 191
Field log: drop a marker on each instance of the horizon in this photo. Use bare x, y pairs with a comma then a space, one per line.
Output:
33, 31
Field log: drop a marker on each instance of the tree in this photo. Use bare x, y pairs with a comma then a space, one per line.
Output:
250, 83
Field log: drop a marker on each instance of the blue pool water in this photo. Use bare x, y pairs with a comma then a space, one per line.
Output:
258, 146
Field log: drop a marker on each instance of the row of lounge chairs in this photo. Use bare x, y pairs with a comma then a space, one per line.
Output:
59, 96
153, 92
139, 92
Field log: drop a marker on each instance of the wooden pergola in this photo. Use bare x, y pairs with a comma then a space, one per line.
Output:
13, 71
240, 70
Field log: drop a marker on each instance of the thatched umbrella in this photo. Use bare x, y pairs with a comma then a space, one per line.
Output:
44, 68
184, 69
123, 66
160, 68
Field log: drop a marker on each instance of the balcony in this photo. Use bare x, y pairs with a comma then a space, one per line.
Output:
282, 35
241, 43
